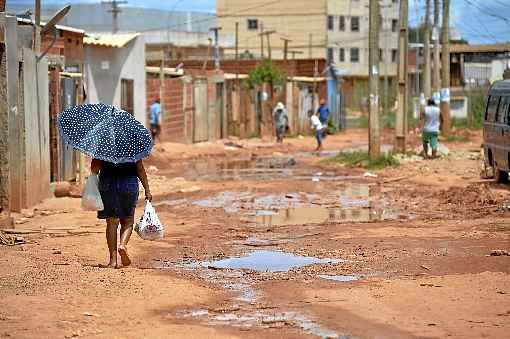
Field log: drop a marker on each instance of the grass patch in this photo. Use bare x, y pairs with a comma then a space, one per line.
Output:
456, 138
362, 159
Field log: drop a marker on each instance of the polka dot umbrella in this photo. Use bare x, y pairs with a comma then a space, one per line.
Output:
105, 132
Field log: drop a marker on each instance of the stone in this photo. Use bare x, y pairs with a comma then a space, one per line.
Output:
62, 189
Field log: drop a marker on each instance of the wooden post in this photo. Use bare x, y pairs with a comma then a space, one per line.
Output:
435, 75
445, 69
374, 146
426, 40
401, 122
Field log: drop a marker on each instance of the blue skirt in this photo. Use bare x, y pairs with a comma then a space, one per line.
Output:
119, 195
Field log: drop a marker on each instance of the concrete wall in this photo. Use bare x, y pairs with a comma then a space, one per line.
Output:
295, 19
104, 85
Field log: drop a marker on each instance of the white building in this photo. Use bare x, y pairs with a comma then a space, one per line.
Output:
115, 72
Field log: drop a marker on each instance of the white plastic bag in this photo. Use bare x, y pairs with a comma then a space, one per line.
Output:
149, 227
90, 197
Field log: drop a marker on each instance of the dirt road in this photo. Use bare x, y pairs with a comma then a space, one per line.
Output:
269, 241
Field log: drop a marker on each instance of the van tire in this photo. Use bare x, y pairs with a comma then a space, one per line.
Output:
500, 176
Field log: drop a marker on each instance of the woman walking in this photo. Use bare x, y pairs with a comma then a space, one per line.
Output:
117, 143
118, 185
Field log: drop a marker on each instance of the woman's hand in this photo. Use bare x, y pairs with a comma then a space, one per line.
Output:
148, 196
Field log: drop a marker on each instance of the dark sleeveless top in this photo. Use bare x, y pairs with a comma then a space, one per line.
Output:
125, 169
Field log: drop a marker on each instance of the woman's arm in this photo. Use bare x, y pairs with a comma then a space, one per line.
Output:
142, 175
95, 166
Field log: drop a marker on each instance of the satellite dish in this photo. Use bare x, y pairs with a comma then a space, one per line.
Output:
55, 19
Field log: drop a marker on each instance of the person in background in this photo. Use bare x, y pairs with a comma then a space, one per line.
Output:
318, 127
155, 120
323, 111
281, 121
118, 186
430, 122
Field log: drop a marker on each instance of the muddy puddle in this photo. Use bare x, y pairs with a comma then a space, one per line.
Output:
352, 204
248, 307
266, 261
257, 168
319, 215
339, 278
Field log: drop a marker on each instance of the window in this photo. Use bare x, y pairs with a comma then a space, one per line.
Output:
331, 22
394, 55
394, 25
253, 24
341, 55
503, 110
341, 23
492, 107
355, 24
331, 55
354, 54
381, 54
126, 95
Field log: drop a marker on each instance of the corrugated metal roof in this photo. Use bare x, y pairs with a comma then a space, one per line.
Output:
110, 40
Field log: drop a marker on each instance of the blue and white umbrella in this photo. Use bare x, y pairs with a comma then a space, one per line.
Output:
105, 132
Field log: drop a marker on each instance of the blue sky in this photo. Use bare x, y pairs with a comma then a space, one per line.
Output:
479, 21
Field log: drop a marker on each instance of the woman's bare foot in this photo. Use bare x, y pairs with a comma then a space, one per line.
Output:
124, 257
109, 265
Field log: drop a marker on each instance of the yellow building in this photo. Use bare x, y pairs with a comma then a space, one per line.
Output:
333, 29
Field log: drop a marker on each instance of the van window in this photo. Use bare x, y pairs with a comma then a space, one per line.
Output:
502, 116
492, 107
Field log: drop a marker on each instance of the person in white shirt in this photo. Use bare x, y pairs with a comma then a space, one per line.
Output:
430, 122
319, 129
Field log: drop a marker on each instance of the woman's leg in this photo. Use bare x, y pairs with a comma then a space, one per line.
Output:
126, 227
111, 240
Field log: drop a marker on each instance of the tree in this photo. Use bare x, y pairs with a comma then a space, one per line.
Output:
265, 73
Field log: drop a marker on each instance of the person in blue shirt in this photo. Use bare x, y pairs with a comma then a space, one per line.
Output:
323, 112
155, 119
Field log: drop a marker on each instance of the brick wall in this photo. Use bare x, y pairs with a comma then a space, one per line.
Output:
304, 67
173, 126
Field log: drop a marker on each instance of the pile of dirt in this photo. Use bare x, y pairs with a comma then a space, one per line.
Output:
472, 196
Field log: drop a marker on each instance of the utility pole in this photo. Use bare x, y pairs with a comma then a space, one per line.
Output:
285, 47
37, 30
310, 39
374, 142
237, 51
261, 41
435, 74
267, 34
426, 40
402, 98
115, 12
237, 41
216, 47
445, 69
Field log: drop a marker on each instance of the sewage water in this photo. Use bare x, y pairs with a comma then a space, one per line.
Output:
267, 261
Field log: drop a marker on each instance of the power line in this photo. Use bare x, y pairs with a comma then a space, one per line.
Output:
497, 16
